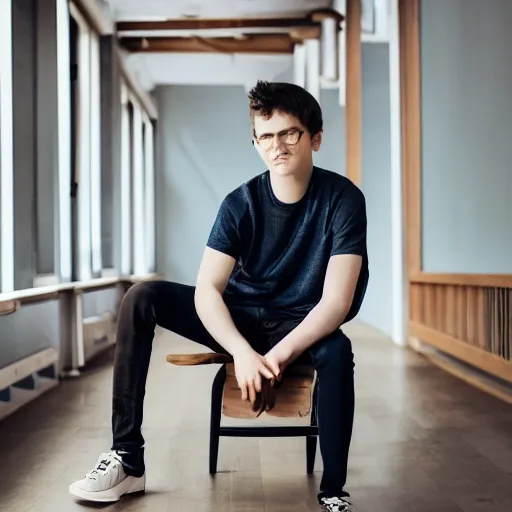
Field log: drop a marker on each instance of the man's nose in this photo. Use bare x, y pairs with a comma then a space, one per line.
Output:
277, 143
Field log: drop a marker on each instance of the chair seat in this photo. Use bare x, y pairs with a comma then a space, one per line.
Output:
290, 398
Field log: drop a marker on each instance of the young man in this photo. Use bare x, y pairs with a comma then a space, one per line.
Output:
285, 266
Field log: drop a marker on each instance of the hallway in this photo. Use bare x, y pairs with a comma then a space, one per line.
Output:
423, 441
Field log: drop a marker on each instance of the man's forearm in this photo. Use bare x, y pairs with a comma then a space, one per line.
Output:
216, 318
321, 321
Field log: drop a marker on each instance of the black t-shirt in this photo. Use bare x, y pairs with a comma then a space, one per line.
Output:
282, 250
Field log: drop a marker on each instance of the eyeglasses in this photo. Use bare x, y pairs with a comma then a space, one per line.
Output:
289, 137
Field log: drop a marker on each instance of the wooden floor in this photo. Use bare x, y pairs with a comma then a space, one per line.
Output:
423, 442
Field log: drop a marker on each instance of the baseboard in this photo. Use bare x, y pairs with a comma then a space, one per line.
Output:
26, 380
473, 376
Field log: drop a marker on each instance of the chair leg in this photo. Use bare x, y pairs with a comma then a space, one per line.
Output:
215, 417
311, 441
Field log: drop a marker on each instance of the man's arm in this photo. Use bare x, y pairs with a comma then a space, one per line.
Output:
340, 282
338, 292
214, 272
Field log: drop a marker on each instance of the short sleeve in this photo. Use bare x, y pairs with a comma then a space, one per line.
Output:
349, 224
224, 236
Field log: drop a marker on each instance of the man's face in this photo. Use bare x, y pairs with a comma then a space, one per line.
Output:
284, 144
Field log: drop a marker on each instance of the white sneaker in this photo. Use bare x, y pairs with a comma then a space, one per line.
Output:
107, 481
336, 504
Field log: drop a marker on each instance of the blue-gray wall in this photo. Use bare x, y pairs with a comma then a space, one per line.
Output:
377, 309
466, 135
204, 151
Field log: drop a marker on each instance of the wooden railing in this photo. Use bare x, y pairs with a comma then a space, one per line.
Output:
466, 316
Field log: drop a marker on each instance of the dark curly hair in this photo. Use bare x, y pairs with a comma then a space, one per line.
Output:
265, 98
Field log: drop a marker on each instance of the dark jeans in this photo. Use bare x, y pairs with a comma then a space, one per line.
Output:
171, 306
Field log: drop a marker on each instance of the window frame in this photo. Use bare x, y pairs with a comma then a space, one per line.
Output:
6, 151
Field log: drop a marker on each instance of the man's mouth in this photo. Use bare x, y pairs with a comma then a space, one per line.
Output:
281, 158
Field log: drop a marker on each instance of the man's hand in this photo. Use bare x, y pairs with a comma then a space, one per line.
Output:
250, 367
278, 358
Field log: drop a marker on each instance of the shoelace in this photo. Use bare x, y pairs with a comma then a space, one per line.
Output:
106, 462
337, 504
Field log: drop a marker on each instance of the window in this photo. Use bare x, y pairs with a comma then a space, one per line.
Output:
125, 260
149, 189
64, 269
138, 193
52, 215
88, 260
6, 151
137, 187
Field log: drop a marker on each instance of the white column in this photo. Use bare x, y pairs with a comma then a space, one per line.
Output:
342, 67
126, 189
329, 48
96, 259
6, 151
138, 194
313, 67
64, 144
149, 170
299, 65
399, 274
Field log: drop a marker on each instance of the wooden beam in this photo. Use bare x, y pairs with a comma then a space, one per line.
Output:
228, 23
213, 24
353, 110
409, 26
304, 33
254, 43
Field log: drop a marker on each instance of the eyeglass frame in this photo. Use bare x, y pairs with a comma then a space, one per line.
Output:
282, 132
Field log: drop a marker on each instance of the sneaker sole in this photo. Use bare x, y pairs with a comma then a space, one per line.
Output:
130, 485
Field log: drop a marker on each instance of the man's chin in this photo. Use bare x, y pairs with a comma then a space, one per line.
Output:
283, 169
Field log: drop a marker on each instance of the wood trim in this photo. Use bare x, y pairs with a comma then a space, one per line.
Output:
253, 43
353, 109
9, 307
481, 280
302, 34
409, 28
474, 356
213, 24
96, 284
312, 19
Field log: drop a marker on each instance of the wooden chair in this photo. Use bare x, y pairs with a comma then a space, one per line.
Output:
294, 397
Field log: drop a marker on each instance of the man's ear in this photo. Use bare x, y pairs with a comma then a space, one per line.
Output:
316, 141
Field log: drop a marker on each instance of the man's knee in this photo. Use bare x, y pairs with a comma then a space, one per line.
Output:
334, 351
138, 294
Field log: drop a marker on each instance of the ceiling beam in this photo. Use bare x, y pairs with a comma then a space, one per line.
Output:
254, 43
310, 20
